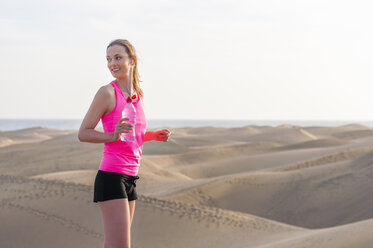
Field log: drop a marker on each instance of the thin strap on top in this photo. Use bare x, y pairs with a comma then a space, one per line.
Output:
118, 88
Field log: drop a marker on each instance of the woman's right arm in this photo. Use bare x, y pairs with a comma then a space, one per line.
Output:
87, 132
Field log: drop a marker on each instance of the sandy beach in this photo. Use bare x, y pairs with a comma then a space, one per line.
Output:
253, 186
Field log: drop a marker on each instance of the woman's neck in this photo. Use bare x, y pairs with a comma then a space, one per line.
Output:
125, 86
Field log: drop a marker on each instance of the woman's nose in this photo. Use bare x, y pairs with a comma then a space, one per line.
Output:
112, 62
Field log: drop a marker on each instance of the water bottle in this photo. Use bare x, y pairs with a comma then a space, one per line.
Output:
129, 111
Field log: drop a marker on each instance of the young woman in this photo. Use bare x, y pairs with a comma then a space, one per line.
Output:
114, 186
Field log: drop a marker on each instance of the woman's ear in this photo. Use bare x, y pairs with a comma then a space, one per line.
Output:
133, 60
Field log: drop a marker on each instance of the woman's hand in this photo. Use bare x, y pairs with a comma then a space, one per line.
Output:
121, 127
162, 135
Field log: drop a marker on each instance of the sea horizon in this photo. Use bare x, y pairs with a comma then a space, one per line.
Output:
9, 124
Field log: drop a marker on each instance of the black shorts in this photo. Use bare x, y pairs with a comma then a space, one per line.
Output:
113, 185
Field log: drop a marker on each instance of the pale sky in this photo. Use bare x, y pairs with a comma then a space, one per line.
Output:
256, 60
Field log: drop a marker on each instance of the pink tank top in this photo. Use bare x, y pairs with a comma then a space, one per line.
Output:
123, 156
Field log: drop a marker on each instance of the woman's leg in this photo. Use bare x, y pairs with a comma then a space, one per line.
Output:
132, 210
116, 219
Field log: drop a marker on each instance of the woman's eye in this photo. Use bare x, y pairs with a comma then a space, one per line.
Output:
117, 57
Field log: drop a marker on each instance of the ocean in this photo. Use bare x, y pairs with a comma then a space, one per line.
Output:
74, 124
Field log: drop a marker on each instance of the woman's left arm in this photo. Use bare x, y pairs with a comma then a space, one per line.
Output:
159, 135
149, 136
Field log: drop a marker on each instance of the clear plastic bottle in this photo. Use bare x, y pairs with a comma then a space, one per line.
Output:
129, 111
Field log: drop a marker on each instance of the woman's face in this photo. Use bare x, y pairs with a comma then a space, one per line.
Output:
118, 61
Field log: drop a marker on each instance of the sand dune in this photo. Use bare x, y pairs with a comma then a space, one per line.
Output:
330, 130
253, 186
53, 205
29, 135
56, 154
85, 177
315, 143
315, 197
284, 135
340, 156
345, 236
355, 134
212, 153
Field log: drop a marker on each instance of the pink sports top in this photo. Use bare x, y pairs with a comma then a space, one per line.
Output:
123, 156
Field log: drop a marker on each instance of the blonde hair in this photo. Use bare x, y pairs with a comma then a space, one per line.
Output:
132, 53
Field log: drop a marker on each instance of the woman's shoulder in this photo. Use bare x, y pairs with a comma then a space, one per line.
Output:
106, 90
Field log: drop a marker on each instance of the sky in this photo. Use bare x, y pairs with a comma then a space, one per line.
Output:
224, 60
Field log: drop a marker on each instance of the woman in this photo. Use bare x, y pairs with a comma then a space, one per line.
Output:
114, 187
